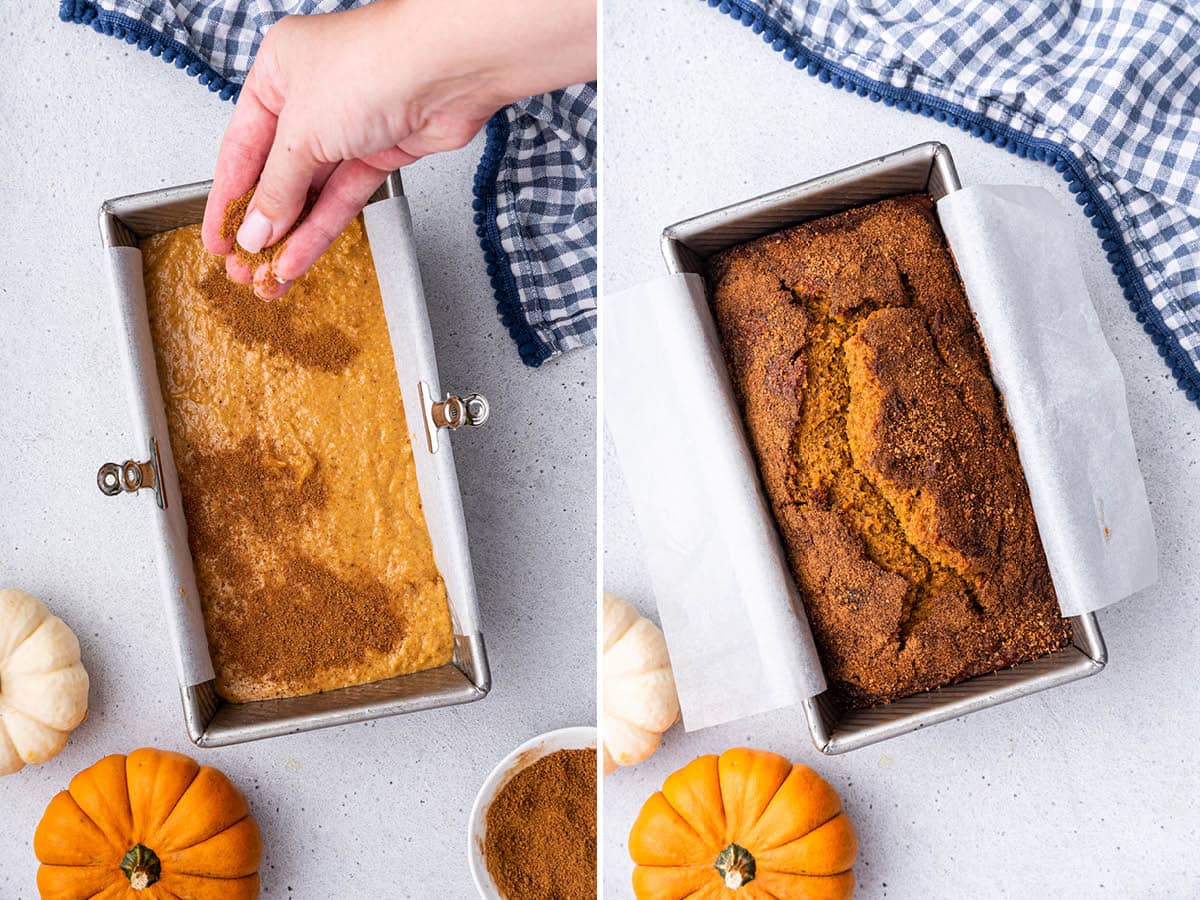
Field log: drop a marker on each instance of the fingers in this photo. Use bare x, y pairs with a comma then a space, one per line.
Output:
282, 190
346, 192
237, 270
393, 158
244, 149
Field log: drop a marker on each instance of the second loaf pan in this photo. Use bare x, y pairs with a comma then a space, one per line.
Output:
925, 168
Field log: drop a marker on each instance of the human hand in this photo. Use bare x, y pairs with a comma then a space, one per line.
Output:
334, 102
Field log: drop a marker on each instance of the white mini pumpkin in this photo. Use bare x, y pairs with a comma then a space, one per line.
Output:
640, 702
43, 685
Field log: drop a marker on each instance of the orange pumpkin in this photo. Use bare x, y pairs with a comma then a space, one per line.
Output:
150, 826
747, 825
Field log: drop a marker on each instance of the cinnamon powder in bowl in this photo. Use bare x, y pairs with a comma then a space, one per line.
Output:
533, 829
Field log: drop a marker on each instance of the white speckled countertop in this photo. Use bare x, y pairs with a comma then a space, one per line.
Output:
377, 810
1087, 791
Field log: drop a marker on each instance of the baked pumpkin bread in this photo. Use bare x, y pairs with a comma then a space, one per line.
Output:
885, 451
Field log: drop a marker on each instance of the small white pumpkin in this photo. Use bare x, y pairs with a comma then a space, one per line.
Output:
43, 685
640, 702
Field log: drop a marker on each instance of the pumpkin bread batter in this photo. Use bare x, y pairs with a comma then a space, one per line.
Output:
312, 557
885, 451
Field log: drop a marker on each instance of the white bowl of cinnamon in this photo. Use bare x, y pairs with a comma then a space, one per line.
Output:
532, 831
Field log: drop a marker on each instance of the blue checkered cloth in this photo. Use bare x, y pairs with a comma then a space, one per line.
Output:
1107, 92
535, 190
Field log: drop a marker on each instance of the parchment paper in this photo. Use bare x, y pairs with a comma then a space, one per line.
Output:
736, 631
727, 602
1063, 389
389, 227
177, 579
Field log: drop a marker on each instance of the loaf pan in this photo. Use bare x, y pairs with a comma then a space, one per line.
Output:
926, 168
210, 720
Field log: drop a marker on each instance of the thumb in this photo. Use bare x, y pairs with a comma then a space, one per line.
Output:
281, 193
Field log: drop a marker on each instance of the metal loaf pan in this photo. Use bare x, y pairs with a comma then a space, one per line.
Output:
686, 246
211, 721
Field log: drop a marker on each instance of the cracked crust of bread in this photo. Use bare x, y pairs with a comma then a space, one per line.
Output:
885, 452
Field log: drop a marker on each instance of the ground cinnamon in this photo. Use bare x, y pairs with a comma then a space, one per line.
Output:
298, 614
235, 214
276, 326
541, 830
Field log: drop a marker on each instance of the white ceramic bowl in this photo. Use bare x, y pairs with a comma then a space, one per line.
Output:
579, 738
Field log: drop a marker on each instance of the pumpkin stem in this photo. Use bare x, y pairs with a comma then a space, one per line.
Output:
736, 866
141, 866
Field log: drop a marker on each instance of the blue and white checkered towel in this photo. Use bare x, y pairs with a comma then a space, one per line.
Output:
1107, 92
535, 191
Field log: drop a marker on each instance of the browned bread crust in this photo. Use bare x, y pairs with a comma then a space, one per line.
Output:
885, 451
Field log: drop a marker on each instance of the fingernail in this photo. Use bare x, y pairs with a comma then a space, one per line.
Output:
255, 232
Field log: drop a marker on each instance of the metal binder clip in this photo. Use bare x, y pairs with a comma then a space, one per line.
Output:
452, 413
131, 477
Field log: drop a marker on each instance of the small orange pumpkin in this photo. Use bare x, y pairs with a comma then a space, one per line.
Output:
153, 825
747, 825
